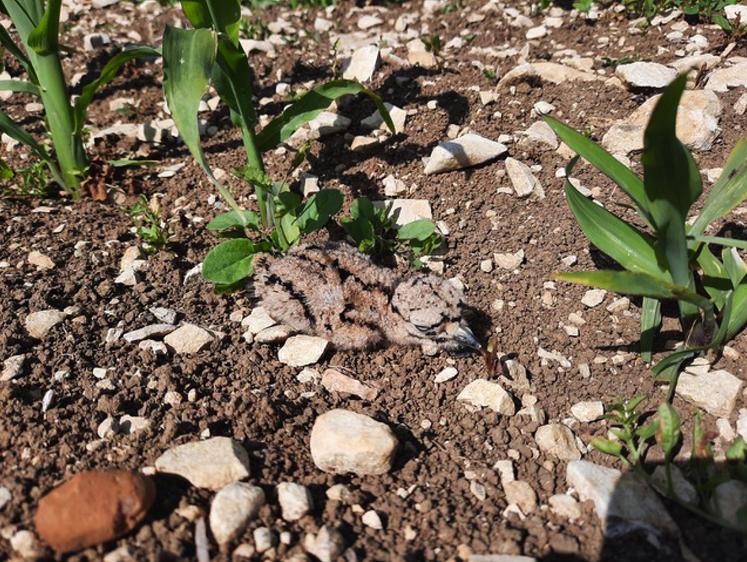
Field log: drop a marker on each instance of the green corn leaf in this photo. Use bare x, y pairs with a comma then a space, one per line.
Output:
668, 434
229, 262
737, 272
715, 278
19, 86
719, 337
602, 160
622, 242
232, 81
110, 70
308, 106
15, 131
735, 266
650, 324
222, 15
722, 241
44, 38
131, 163
728, 192
319, 208
232, 219
419, 230
668, 368
629, 283
671, 181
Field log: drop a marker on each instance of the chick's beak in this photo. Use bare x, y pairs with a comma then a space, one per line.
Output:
466, 338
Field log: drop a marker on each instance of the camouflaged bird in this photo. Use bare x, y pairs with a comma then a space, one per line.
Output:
335, 292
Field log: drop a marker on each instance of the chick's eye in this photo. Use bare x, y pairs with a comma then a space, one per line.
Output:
428, 330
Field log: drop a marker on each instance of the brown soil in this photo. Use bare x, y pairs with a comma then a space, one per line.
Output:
242, 390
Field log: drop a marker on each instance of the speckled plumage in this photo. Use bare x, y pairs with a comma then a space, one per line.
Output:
335, 292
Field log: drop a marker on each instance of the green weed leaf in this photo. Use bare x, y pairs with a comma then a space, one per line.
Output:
232, 219
668, 433
319, 208
229, 262
607, 446
416, 230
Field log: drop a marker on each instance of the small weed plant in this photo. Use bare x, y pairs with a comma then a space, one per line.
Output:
210, 53
39, 52
672, 258
149, 227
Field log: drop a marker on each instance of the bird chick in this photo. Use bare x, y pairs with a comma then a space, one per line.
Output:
335, 292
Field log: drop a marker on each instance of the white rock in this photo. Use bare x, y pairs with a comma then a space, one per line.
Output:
522, 178
419, 55
302, 350
155, 347
274, 334
697, 123
716, 391
368, 21
148, 332
565, 506
362, 64
335, 381
728, 499
5, 496
328, 123
257, 320
393, 186
322, 25
371, 519
483, 393
12, 367
546, 71
521, 493
107, 428
407, 210
93, 41
445, 375
165, 315
41, 261
26, 544
588, 411
327, 545
253, 45
540, 135
343, 441
376, 121
132, 424
213, 463
500, 558
593, 297
38, 324
232, 508
619, 497
294, 499
188, 338
736, 12
730, 77
742, 424
464, 152
263, 539
536, 32
509, 261
680, 486
558, 441
646, 74
740, 106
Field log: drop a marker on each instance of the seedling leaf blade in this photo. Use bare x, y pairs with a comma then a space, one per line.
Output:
416, 230
607, 446
668, 433
15, 131
319, 208
44, 37
224, 15
232, 219
650, 324
19, 86
229, 262
309, 106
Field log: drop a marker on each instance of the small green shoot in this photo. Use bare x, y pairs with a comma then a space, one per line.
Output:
146, 216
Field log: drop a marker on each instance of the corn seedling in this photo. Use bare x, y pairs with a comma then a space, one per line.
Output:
193, 58
636, 433
673, 258
38, 25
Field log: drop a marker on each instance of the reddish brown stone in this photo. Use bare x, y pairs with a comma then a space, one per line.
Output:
92, 508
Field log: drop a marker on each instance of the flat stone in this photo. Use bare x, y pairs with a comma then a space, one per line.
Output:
697, 123
545, 71
588, 411
446, 374
92, 508
406, 211
728, 499
274, 334
540, 135
565, 506
94, 41
593, 297
258, 320
328, 123
482, 393
509, 262
716, 391
26, 545
622, 502
212, 464
232, 508
362, 64
5, 496
12, 367
372, 520
722, 79
41, 261
38, 324
149, 332
343, 441
522, 178
302, 350
165, 315
522, 494
263, 539
557, 440
376, 121
188, 338
463, 152
419, 55
335, 381
327, 545
645, 74
132, 424
367, 21
294, 499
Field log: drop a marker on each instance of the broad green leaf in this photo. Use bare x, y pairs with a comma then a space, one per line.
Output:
362, 207
232, 81
628, 283
728, 192
107, 75
15, 131
668, 434
229, 262
650, 324
232, 219
44, 38
607, 446
671, 181
416, 230
603, 161
361, 231
647, 431
19, 86
622, 242
221, 15
6, 172
319, 209
310, 105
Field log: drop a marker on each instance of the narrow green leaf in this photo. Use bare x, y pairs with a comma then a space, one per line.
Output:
722, 241
738, 317
625, 244
728, 192
602, 160
650, 324
19, 86
222, 15
44, 38
308, 106
734, 265
229, 262
232, 219
131, 163
715, 278
110, 70
15, 131
668, 434
319, 208
667, 368
7, 41
628, 283
607, 446
416, 230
